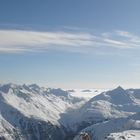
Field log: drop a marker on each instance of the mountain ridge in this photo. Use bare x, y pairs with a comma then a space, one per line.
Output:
31, 108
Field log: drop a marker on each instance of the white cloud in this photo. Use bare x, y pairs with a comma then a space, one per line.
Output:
124, 34
20, 40
14, 41
116, 43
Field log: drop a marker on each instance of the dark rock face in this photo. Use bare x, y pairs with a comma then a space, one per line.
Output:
36, 130
33, 129
40, 130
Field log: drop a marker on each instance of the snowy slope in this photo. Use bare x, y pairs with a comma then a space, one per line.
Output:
6, 126
113, 128
125, 135
30, 112
117, 106
27, 108
33, 101
111, 104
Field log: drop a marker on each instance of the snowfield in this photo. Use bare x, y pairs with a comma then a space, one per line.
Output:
40, 103
125, 135
26, 107
30, 112
108, 129
119, 111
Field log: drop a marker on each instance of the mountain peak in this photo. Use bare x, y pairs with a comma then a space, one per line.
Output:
34, 86
5, 88
119, 89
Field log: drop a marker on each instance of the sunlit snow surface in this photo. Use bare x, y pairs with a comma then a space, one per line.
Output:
126, 135
44, 103
104, 113
120, 107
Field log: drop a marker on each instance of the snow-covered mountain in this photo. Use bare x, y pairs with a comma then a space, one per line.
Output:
33, 101
125, 135
115, 129
34, 112
111, 112
31, 112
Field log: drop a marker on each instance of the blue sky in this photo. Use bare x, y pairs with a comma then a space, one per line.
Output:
70, 44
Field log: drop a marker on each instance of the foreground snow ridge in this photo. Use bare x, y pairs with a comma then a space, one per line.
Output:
31, 112
126, 135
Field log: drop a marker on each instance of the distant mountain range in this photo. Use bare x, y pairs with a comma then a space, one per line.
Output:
115, 111
30, 112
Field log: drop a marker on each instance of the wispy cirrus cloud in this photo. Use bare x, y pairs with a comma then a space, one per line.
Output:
15, 41
21, 40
